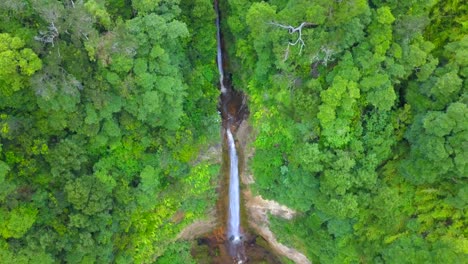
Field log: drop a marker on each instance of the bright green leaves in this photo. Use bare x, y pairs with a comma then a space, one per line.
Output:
337, 111
310, 158
168, 212
441, 30
345, 206
438, 223
343, 12
177, 29
10, 43
407, 250
384, 15
16, 64
151, 104
381, 31
18, 221
108, 183
200, 178
380, 92
333, 95
28, 62
379, 137
121, 63
141, 65
97, 9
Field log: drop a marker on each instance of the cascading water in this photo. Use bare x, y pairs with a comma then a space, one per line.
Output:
234, 210
232, 246
232, 111
219, 57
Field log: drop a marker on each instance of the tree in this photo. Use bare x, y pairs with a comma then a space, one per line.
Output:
17, 64
18, 221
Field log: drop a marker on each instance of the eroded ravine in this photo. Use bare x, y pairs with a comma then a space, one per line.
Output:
239, 234
231, 107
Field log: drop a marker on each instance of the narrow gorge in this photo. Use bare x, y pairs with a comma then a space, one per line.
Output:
241, 216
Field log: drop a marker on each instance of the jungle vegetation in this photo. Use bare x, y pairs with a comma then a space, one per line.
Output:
360, 120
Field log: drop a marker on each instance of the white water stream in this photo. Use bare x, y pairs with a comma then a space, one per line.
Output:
234, 234
233, 224
219, 57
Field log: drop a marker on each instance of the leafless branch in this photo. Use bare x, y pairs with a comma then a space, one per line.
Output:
293, 30
49, 35
324, 55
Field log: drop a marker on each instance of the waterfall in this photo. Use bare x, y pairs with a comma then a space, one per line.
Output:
234, 234
231, 111
219, 57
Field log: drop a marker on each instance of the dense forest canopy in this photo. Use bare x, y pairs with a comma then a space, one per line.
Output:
364, 129
107, 105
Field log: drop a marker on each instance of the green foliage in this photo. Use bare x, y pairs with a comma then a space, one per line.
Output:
177, 253
98, 10
105, 110
107, 104
18, 221
364, 131
16, 63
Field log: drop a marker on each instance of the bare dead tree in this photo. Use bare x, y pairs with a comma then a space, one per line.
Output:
328, 53
324, 55
293, 30
48, 36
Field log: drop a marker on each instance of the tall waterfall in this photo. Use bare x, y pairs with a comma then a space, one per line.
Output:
234, 234
231, 111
